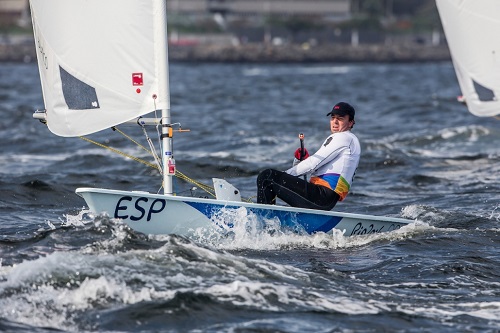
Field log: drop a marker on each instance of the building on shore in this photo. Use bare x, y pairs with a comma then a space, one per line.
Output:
337, 8
308, 23
11, 11
14, 12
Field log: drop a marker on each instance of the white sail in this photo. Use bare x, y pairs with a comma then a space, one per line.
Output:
472, 29
101, 62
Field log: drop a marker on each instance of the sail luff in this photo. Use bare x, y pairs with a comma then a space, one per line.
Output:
34, 24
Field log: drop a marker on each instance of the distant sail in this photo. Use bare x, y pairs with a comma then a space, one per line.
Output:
101, 62
472, 30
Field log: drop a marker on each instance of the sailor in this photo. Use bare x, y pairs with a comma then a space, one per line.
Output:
331, 169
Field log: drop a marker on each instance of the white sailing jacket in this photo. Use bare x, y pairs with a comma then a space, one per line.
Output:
334, 164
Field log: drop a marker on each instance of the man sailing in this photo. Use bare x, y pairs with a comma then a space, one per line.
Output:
331, 168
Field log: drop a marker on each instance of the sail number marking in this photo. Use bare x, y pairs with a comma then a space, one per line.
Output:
43, 55
127, 208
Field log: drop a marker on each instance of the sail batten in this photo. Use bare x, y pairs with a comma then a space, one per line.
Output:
471, 29
100, 62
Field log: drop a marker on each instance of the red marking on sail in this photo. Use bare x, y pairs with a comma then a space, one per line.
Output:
137, 79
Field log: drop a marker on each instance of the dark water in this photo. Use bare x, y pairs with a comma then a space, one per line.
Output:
424, 158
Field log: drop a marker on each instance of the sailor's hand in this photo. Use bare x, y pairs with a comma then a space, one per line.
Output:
302, 156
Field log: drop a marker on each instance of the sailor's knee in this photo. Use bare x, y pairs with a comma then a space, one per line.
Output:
265, 174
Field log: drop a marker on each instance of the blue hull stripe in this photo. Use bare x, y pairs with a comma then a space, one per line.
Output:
311, 223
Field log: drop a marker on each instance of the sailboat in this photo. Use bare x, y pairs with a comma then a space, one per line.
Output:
470, 28
86, 92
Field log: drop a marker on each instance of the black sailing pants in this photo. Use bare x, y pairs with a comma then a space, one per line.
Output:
293, 190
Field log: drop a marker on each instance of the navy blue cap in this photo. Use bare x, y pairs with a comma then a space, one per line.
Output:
342, 109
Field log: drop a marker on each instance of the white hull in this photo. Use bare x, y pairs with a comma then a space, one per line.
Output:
87, 90
163, 214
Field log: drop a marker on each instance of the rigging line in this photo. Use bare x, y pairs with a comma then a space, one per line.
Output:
249, 199
137, 159
178, 174
152, 149
207, 188
131, 139
158, 132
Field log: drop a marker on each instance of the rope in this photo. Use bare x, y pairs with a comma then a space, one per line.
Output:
207, 188
151, 151
204, 187
120, 153
131, 139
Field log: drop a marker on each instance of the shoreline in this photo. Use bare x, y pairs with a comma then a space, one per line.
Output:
262, 53
328, 53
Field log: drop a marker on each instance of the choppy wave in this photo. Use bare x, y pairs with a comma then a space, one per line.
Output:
424, 158
284, 71
117, 279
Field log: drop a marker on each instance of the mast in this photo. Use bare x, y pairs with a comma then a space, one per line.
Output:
161, 40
